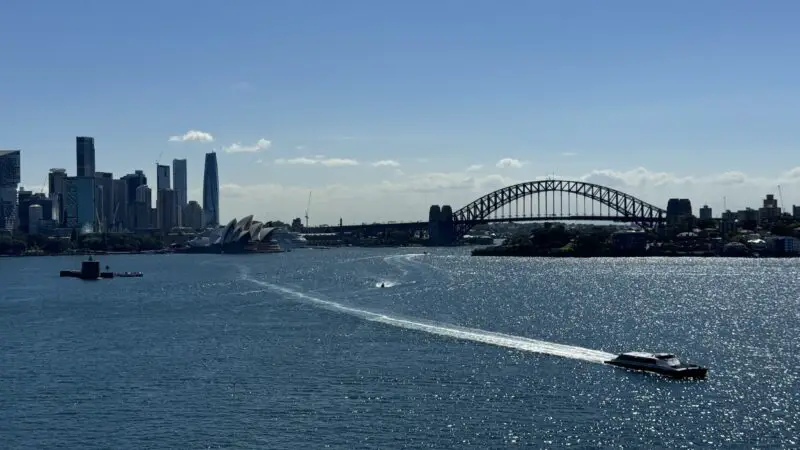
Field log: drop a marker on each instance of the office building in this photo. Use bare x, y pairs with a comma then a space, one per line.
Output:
119, 194
9, 180
211, 191
26, 199
84, 152
193, 215
179, 182
166, 209
143, 205
34, 218
132, 182
162, 177
769, 211
104, 183
55, 191
705, 213
79, 201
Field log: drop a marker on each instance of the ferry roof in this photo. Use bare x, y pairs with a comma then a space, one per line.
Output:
650, 355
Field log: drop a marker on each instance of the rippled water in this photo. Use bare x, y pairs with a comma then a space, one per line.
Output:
306, 349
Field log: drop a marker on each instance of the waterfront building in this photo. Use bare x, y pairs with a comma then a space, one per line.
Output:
55, 191
9, 180
119, 195
211, 191
193, 215
26, 199
104, 183
132, 182
167, 209
143, 205
34, 218
84, 152
79, 201
180, 186
796, 211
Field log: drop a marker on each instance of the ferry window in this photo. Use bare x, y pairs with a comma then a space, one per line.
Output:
673, 362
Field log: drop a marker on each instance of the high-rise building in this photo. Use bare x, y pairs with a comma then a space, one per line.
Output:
705, 213
104, 182
167, 209
34, 218
79, 201
55, 190
211, 191
27, 200
9, 180
179, 185
162, 177
85, 156
132, 181
193, 215
143, 205
119, 213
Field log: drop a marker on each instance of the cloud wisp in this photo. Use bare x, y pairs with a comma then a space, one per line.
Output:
318, 160
261, 144
193, 136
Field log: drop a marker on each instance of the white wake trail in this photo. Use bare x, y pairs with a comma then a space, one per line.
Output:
470, 334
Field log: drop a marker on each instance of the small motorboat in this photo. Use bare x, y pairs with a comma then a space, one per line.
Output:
383, 285
661, 363
129, 274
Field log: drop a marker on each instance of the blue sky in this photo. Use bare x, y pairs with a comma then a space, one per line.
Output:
644, 94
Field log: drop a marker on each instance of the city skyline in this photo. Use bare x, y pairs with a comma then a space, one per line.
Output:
381, 121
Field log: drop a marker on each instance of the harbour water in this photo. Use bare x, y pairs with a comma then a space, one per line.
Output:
305, 349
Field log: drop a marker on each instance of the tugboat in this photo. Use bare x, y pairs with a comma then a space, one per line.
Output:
661, 363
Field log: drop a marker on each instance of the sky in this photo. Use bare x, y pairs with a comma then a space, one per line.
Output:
381, 108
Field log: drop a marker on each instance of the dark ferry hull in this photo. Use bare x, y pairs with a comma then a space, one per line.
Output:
681, 372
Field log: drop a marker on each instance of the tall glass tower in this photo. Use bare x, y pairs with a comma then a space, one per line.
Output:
211, 191
84, 150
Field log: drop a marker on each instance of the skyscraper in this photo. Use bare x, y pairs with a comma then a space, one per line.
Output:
167, 210
9, 179
55, 191
84, 150
211, 191
162, 177
132, 182
179, 186
104, 199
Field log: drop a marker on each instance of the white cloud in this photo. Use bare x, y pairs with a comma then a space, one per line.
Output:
509, 163
474, 168
261, 144
193, 135
408, 197
386, 163
318, 160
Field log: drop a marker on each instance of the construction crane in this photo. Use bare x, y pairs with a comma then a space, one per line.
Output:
308, 206
780, 196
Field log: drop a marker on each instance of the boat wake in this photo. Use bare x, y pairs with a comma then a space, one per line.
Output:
446, 330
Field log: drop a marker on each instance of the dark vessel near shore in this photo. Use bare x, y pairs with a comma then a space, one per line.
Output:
660, 363
90, 270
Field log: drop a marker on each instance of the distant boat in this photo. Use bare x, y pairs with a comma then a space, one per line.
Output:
661, 363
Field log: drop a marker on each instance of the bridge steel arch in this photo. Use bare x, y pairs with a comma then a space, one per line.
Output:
625, 205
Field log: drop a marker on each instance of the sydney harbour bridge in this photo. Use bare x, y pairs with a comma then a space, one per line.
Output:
543, 200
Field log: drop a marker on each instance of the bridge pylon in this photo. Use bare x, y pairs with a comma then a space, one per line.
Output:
441, 227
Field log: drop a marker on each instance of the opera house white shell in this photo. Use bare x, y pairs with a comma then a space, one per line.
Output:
235, 234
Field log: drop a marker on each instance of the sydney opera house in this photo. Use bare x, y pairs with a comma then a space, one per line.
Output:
243, 236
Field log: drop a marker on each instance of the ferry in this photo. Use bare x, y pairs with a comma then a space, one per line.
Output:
661, 363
